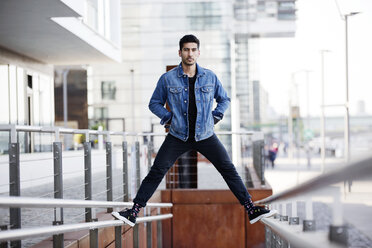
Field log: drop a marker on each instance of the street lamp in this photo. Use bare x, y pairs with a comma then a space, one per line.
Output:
347, 118
322, 119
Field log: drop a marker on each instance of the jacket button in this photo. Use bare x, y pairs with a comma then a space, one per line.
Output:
185, 101
184, 113
185, 89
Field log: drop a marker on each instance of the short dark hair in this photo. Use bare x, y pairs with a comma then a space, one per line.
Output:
189, 38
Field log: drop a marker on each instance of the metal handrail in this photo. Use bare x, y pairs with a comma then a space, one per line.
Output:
297, 238
31, 202
19, 234
353, 170
48, 129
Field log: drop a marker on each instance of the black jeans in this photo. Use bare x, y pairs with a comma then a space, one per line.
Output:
173, 147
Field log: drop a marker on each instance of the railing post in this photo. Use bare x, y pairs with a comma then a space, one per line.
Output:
294, 220
5, 243
284, 216
14, 183
148, 229
93, 233
338, 232
138, 182
88, 175
109, 171
125, 172
277, 215
309, 222
149, 153
135, 236
159, 231
117, 236
58, 188
138, 168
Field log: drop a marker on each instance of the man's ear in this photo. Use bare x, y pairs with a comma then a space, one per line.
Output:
179, 53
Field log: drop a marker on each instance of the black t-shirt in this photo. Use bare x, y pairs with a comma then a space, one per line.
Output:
192, 108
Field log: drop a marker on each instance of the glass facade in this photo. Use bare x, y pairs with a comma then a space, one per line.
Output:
26, 98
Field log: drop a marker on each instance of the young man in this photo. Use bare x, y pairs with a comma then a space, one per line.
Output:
189, 90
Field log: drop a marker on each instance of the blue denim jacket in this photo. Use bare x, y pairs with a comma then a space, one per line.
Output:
173, 87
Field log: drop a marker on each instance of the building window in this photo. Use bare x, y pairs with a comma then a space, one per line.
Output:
108, 90
100, 113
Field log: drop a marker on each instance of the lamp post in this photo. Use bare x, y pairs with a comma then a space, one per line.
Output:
347, 117
322, 119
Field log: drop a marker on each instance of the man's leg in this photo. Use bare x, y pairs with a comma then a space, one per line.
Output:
168, 153
216, 153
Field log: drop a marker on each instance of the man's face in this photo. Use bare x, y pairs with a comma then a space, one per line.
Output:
189, 53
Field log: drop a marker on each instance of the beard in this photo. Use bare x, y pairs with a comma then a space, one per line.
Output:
189, 62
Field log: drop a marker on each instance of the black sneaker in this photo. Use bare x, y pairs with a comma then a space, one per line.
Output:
127, 216
259, 213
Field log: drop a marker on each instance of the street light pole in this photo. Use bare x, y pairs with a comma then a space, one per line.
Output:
347, 117
322, 119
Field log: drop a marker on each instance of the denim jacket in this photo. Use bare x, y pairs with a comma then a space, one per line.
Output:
173, 87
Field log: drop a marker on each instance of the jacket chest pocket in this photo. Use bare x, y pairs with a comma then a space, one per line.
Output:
175, 94
207, 93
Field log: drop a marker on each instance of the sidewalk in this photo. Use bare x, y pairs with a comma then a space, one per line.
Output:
356, 205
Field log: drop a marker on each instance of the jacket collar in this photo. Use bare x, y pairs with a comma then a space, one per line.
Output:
200, 70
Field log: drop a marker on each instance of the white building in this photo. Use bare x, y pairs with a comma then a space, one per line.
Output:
151, 32
35, 35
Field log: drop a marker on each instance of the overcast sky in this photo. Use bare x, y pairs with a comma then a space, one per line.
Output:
319, 26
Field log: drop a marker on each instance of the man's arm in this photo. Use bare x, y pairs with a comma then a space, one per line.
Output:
158, 100
222, 100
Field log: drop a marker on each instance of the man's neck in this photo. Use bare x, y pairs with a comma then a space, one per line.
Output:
189, 70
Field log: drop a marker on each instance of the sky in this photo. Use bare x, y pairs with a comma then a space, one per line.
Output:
319, 27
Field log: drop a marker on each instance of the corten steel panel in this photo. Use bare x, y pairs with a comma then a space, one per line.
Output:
208, 225
106, 236
197, 196
127, 239
211, 218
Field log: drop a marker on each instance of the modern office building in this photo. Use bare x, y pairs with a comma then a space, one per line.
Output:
37, 35
150, 33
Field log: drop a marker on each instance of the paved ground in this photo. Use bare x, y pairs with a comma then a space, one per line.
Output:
356, 205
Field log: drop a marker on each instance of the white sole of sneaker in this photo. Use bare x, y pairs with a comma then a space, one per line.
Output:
119, 217
269, 214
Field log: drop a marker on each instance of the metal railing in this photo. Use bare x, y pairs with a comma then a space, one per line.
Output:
326, 192
116, 181
84, 169
28, 202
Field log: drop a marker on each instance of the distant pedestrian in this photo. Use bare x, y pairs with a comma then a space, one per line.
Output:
272, 154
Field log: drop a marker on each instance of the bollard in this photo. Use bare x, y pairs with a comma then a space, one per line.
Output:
14, 184
125, 172
109, 172
88, 176
309, 223
58, 189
